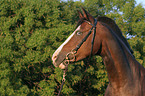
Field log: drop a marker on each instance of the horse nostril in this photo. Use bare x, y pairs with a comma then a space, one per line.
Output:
54, 58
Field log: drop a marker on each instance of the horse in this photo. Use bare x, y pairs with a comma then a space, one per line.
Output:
102, 36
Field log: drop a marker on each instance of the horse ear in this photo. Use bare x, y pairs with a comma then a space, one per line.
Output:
88, 16
80, 14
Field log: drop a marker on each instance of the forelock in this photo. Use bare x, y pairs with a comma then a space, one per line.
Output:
80, 21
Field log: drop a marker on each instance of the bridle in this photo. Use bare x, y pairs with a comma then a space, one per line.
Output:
74, 51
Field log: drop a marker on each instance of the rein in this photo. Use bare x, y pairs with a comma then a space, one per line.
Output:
63, 79
74, 51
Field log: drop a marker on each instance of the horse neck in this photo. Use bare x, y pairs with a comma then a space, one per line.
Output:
117, 58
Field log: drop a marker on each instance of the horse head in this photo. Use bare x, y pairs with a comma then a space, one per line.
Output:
72, 46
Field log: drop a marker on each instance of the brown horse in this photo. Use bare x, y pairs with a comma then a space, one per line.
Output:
126, 75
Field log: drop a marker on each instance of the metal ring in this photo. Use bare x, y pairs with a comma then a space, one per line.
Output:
74, 51
70, 53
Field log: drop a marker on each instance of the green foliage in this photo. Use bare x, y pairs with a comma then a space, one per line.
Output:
31, 30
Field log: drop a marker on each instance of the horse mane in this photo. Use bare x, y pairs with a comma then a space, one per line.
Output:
111, 23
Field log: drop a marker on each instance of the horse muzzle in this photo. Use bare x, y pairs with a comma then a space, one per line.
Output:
61, 65
70, 57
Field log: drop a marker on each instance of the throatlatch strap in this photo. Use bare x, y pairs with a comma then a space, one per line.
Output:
93, 37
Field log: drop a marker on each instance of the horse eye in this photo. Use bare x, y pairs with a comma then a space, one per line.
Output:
79, 33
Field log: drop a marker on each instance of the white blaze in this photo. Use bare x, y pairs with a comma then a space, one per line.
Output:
60, 47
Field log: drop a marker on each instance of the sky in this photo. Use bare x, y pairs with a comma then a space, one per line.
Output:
137, 1
141, 1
